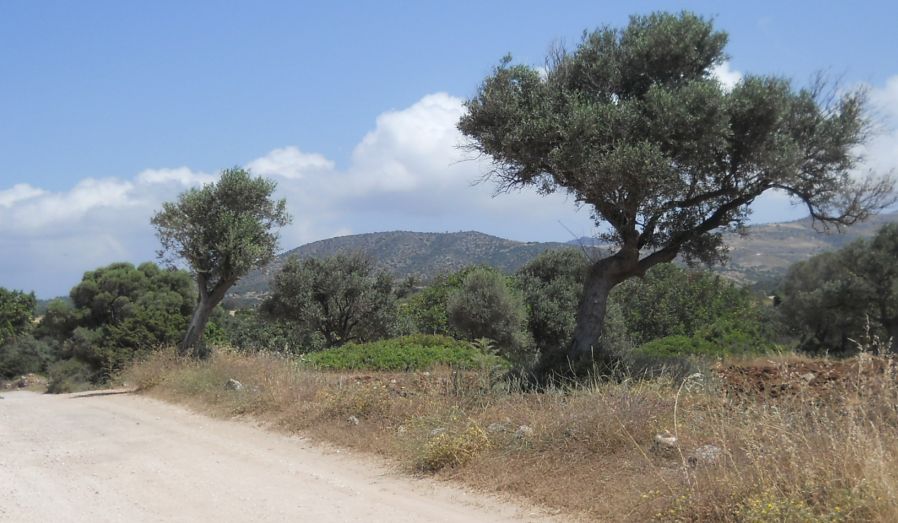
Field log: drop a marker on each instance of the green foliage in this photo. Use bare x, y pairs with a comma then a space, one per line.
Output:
486, 306
71, 375
829, 298
342, 298
221, 231
249, 331
120, 312
725, 337
671, 300
416, 352
426, 309
16, 314
551, 285
24, 355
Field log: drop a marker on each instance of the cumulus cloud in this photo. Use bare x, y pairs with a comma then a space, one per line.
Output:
726, 75
18, 193
881, 153
290, 162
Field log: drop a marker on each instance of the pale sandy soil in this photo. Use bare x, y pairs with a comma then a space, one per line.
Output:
124, 457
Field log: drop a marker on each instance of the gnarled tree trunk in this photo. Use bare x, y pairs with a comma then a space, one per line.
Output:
585, 350
206, 302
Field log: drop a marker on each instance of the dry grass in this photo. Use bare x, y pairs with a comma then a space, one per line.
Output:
820, 453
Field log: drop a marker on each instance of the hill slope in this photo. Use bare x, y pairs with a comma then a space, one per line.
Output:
761, 256
403, 253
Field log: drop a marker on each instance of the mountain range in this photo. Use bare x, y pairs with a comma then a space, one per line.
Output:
760, 257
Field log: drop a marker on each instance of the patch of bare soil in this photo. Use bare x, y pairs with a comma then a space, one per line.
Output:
770, 379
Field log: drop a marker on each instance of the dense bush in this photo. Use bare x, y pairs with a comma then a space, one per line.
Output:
417, 352
551, 285
120, 312
486, 306
343, 298
671, 300
829, 299
25, 354
20, 353
16, 313
71, 375
249, 331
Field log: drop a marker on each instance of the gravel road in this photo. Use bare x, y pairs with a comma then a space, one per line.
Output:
124, 457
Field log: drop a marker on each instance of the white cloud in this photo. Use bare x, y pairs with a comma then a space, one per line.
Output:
180, 175
18, 193
290, 162
726, 75
881, 152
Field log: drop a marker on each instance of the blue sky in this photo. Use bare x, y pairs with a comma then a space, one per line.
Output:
108, 108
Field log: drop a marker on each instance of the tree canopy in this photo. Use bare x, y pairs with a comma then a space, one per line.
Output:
634, 126
829, 299
16, 313
221, 231
119, 312
342, 298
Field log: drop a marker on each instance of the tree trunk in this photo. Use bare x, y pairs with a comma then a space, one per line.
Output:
197, 327
585, 350
204, 306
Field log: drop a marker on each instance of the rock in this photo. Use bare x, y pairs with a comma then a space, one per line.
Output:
437, 431
353, 420
524, 431
495, 428
808, 377
706, 454
401, 430
233, 384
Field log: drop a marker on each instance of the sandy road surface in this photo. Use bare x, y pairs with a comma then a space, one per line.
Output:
130, 458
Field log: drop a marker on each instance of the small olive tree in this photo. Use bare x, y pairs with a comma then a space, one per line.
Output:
635, 127
221, 231
342, 298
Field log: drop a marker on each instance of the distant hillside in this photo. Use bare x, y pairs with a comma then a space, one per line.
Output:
758, 258
767, 251
402, 253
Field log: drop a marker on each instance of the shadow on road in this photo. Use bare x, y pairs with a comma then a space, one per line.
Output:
91, 394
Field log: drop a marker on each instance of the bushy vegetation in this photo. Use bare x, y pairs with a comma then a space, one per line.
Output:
830, 299
118, 313
487, 306
20, 352
407, 353
248, 330
342, 298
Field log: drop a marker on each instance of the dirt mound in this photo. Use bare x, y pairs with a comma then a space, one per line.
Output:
820, 377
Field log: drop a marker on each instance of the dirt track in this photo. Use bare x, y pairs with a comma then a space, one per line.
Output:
129, 458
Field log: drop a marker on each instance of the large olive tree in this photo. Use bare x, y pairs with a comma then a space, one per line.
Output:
633, 124
221, 231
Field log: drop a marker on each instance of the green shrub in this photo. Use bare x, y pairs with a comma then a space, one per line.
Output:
416, 352
487, 306
24, 355
70, 375
724, 337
